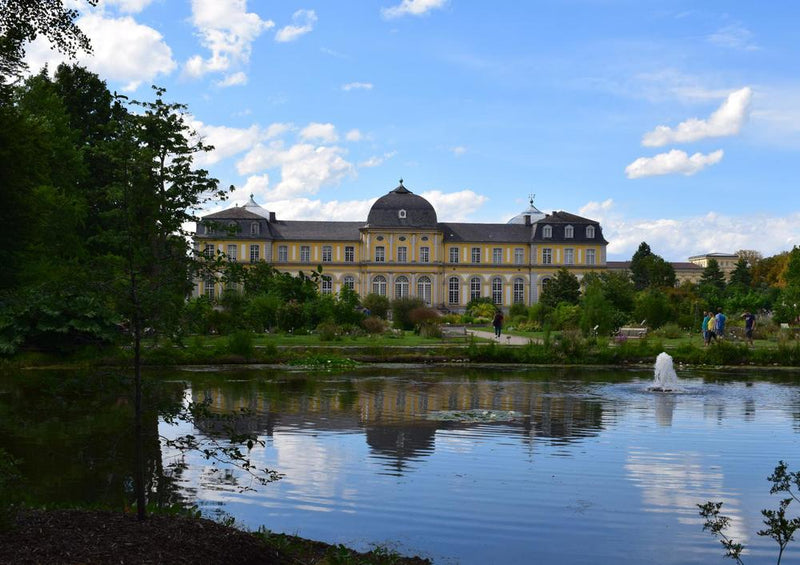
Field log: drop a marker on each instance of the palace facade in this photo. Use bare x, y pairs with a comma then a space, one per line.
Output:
403, 250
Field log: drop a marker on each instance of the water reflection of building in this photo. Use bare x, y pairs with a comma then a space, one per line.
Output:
395, 414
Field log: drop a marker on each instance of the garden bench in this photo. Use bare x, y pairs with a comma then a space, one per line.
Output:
632, 332
454, 332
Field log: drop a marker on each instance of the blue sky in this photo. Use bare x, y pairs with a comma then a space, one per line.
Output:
675, 123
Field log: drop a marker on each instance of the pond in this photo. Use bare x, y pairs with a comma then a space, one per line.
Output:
467, 465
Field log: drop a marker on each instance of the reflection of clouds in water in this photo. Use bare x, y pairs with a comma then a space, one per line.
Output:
678, 482
456, 441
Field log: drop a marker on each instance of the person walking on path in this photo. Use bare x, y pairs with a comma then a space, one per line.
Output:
720, 324
749, 326
498, 323
704, 327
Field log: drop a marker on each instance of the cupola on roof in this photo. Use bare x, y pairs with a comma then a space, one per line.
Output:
402, 208
534, 213
252, 206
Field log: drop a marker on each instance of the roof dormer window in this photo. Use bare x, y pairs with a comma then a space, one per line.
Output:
254, 228
569, 232
547, 232
401, 214
589, 232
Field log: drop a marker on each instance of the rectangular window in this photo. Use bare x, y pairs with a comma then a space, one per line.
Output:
305, 254
497, 255
454, 254
497, 291
283, 254
232, 252
476, 254
452, 294
209, 288
590, 256
547, 256
380, 254
402, 254
327, 253
349, 254
519, 255
209, 250
350, 282
424, 254
474, 288
519, 291
569, 256
255, 253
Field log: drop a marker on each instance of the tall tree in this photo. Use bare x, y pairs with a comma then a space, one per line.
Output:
564, 287
649, 270
741, 276
153, 195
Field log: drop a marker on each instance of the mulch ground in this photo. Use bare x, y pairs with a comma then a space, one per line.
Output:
71, 537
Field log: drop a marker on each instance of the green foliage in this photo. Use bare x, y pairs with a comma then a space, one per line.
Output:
779, 525
649, 270
241, 343
374, 325
377, 305
565, 317
653, 307
401, 311
329, 331
9, 488
518, 310
480, 307
564, 287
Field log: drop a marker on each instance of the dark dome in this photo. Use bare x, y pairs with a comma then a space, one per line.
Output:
402, 208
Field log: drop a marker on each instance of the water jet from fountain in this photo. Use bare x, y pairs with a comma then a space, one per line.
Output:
664, 377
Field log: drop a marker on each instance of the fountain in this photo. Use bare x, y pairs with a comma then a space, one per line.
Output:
664, 378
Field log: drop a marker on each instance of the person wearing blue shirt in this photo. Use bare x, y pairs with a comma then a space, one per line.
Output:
720, 317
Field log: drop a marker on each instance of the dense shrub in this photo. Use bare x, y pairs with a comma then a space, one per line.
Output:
376, 304
329, 331
241, 343
401, 312
374, 325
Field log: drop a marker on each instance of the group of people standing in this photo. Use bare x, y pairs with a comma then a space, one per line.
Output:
714, 326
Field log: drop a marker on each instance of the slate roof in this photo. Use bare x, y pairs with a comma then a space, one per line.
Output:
319, 230
385, 211
498, 233
558, 221
235, 213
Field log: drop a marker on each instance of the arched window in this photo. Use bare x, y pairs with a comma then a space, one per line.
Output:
254, 228
545, 282
401, 287
424, 290
569, 232
452, 290
519, 291
497, 290
589, 232
547, 232
379, 285
474, 288
349, 281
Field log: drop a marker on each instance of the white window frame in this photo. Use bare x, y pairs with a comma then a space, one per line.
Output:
401, 287
305, 253
255, 253
424, 288
590, 232
475, 255
475, 288
402, 254
547, 232
424, 254
283, 253
497, 255
497, 291
453, 290
453, 254
590, 256
379, 285
349, 254
547, 256
519, 256
380, 254
569, 256
569, 232
519, 291
327, 253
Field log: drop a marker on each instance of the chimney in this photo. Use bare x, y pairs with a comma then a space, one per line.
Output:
272, 216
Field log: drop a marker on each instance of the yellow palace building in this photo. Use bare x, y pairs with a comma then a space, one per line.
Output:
403, 250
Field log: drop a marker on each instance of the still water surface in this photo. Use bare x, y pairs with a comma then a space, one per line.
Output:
591, 468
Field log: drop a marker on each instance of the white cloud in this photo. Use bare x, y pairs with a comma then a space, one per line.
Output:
679, 239
227, 141
459, 151
726, 120
674, 162
357, 86
354, 135
236, 79
304, 21
377, 160
227, 30
454, 206
307, 209
304, 167
412, 8
124, 51
322, 132
734, 36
